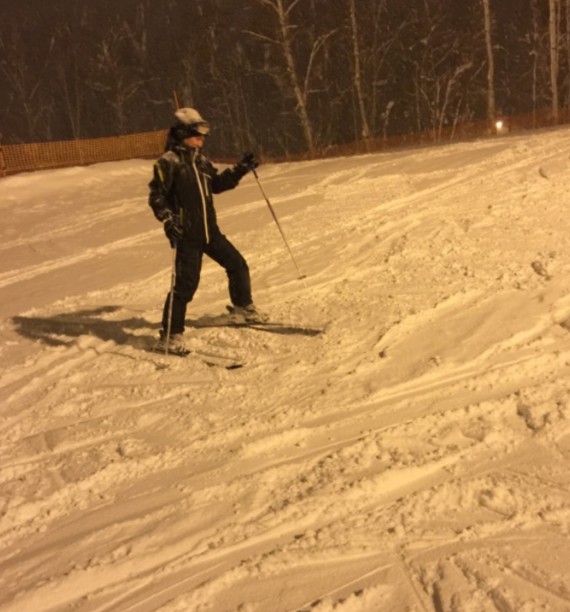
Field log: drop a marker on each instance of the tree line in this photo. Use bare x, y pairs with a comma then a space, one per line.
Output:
280, 76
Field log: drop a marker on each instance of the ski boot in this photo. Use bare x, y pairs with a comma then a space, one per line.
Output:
174, 345
248, 314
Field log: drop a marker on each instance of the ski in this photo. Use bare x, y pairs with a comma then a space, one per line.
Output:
287, 329
274, 327
213, 361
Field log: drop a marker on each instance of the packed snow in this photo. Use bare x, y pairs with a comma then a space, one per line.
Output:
414, 456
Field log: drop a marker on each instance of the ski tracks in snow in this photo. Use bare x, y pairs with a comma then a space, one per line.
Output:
414, 457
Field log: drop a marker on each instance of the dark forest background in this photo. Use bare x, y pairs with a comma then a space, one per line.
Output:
279, 76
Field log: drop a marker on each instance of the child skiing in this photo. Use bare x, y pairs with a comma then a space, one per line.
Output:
181, 197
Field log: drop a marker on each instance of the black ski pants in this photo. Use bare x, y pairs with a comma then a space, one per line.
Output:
188, 268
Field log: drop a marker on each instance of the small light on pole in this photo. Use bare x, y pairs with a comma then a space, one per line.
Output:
501, 127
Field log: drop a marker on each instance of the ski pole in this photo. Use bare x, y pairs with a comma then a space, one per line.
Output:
171, 300
301, 276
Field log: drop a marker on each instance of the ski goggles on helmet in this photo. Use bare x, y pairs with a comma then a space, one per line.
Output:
196, 129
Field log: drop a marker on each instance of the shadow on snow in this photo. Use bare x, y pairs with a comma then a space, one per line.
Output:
64, 329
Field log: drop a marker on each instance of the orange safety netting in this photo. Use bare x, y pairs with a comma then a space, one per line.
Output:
149, 145
36, 156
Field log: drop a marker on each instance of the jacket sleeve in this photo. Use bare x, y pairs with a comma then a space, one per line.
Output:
224, 180
160, 198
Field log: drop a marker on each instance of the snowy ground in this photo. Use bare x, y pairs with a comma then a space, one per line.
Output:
414, 457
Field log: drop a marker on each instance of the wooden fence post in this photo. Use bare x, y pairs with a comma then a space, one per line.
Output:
3, 170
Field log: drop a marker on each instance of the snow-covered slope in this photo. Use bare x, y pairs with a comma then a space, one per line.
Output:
415, 456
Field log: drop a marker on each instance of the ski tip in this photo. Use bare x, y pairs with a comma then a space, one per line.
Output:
234, 366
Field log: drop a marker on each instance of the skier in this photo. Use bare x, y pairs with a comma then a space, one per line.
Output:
181, 197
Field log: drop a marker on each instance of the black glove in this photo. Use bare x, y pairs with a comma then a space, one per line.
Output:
247, 163
173, 229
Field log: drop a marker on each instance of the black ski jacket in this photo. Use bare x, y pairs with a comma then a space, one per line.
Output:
183, 184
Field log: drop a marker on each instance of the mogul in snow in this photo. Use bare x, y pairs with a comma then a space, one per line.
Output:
181, 197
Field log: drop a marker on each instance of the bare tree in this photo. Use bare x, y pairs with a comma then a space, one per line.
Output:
567, 43
490, 64
298, 82
554, 34
230, 98
24, 77
70, 75
384, 44
535, 36
357, 77
443, 69
118, 73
